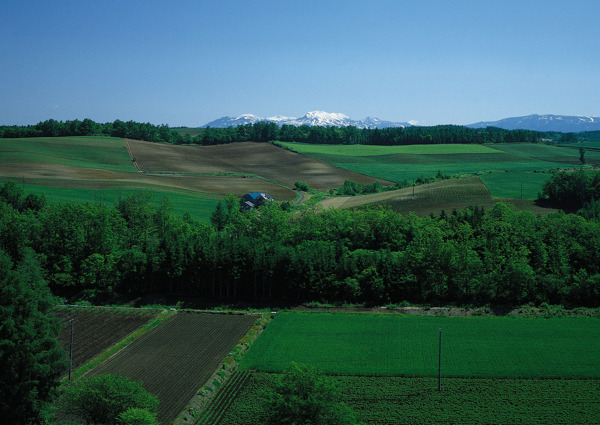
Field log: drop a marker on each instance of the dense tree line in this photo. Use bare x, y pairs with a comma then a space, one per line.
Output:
268, 132
130, 129
372, 256
572, 190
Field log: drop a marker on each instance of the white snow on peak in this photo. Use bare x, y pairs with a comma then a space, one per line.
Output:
279, 118
248, 117
313, 118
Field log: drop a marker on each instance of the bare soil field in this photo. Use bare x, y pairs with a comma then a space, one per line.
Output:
96, 329
177, 357
260, 159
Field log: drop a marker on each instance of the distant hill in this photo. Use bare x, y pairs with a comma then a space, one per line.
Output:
314, 118
558, 123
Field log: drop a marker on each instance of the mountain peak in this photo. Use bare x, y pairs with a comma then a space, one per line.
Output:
312, 118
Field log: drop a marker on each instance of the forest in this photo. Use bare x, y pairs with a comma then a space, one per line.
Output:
372, 256
268, 132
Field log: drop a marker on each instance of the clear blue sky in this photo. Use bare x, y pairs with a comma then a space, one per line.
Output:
189, 62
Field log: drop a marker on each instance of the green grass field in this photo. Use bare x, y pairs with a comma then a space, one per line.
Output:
390, 344
374, 150
525, 185
495, 370
199, 208
107, 153
397, 163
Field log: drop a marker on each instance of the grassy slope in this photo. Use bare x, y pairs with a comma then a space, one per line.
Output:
96, 169
107, 153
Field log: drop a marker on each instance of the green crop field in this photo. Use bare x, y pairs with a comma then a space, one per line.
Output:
525, 185
198, 206
397, 163
497, 370
400, 400
375, 150
390, 344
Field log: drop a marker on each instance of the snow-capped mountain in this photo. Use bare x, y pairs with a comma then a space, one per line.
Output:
560, 123
314, 118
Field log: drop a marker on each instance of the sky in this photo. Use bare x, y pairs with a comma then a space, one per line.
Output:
185, 63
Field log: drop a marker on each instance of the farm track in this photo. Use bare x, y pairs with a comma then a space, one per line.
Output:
132, 156
177, 357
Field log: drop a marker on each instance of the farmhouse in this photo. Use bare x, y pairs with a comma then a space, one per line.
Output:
255, 199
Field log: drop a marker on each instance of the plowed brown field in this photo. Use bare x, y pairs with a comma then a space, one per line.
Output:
177, 357
96, 329
260, 159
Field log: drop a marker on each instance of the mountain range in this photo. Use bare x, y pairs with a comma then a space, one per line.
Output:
314, 118
559, 123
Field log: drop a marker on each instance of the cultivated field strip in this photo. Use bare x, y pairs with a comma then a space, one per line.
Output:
387, 344
225, 398
399, 400
96, 329
262, 159
177, 357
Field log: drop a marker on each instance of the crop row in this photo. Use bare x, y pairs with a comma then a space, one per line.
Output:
96, 329
397, 400
225, 397
386, 344
177, 357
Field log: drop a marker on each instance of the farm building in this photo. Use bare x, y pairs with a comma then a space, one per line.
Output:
255, 199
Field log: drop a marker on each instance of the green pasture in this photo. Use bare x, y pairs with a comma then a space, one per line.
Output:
591, 145
555, 153
108, 153
401, 345
375, 150
199, 208
412, 171
516, 185
397, 163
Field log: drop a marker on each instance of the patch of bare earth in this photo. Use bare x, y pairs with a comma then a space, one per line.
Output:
260, 159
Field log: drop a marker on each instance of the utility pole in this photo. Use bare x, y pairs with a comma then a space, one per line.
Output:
72, 320
440, 364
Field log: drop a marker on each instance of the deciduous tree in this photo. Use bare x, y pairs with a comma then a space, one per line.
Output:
102, 399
